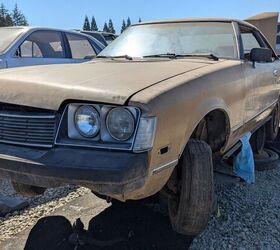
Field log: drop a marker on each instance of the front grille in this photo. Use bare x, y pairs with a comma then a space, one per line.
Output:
27, 128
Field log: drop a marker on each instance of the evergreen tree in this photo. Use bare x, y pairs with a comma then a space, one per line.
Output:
18, 18
128, 23
86, 24
4, 16
93, 26
123, 26
111, 27
105, 28
140, 20
9, 20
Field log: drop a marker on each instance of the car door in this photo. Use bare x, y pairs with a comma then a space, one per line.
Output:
81, 50
40, 47
263, 90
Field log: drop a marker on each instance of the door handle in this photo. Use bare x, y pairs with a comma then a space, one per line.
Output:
275, 73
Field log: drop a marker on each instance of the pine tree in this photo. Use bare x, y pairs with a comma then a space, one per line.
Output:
111, 27
9, 20
105, 28
18, 18
128, 23
86, 24
3, 12
123, 26
93, 26
140, 20
4, 16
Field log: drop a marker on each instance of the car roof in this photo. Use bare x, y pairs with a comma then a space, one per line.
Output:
28, 29
186, 20
96, 32
32, 28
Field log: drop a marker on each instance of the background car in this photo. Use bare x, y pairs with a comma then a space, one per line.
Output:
104, 37
25, 46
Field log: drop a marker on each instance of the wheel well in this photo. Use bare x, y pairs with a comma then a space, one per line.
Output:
213, 129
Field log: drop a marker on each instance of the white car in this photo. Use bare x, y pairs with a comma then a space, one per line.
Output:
26, 46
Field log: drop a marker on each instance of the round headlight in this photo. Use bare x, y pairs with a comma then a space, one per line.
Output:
87, 121
120, 124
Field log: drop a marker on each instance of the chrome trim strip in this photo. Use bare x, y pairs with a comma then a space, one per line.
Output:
262, 111
96, 146
258, 114
236, 40
28, 116
27, 144
165, 166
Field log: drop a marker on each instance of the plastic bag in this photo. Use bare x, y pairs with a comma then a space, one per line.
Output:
243, 164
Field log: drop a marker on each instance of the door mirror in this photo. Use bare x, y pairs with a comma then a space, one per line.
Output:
260, 55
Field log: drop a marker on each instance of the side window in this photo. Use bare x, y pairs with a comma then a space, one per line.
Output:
80, 46
30, 49
249, 41
42, 44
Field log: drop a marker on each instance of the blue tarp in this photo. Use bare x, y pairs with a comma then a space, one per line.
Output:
243, 164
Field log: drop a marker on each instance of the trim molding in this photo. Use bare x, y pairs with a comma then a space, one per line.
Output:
164, 166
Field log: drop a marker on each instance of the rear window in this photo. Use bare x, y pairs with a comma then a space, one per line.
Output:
80, 46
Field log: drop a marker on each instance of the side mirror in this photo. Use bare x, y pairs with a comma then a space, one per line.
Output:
260, 55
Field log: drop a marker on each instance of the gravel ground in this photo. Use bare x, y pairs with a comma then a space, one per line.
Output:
249, 214
40, 206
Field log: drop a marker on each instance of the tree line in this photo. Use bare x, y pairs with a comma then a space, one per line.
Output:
12, 18
108, 27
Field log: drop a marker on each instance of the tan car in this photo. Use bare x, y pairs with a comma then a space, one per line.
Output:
147, 115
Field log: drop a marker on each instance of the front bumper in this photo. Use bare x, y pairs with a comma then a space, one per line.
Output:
106, 172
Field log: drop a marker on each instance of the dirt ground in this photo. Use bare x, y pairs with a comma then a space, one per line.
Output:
134, 225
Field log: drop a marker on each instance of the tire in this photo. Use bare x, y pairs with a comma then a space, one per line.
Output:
268, 162
27, 190
272, 126
189, 214
257, 140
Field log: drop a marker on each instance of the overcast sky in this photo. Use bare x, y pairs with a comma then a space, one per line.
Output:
70, 14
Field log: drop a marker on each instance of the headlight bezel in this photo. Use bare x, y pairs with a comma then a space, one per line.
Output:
67, 134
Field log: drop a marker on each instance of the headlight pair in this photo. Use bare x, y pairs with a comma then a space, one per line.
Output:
120, 123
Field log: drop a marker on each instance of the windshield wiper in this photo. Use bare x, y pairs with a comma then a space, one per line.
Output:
175, 56
127, 57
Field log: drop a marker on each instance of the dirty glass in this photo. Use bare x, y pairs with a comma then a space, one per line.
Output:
177, 38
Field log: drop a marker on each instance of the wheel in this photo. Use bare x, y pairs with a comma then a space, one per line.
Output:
27, 190
190, 212
272, 126
257, 140
266, 161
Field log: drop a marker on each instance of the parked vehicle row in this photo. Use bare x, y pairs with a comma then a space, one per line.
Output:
104, 37
145, 116
24, 46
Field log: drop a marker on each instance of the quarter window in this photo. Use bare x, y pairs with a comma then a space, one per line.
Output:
80, 46
42, 44
249, 42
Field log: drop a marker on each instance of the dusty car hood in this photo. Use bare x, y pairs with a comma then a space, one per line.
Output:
99, 81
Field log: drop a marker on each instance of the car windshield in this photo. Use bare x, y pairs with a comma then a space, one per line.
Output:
8, 36
189, 38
